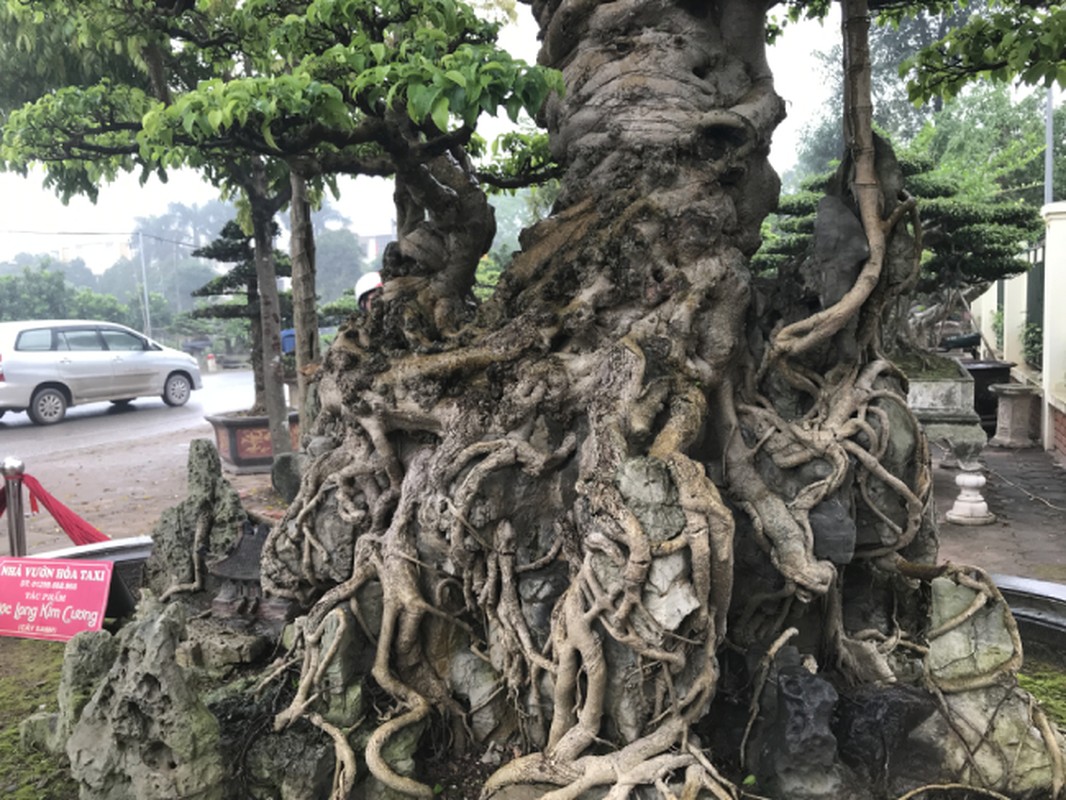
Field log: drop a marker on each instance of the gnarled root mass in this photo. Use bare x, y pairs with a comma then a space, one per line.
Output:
659, 511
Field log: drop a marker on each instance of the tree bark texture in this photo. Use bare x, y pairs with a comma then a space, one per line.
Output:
263, 208
304, 300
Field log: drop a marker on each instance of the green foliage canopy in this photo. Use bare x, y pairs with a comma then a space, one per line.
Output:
329, 82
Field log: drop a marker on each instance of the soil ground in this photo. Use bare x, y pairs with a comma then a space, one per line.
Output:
122, 489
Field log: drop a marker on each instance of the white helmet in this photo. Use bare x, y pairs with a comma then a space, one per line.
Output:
367, 282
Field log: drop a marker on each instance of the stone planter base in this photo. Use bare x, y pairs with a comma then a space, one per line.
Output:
1017, 415
244, 442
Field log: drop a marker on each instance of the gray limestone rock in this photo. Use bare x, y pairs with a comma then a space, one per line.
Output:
990, 740
648, 490
475, 681
145, 734
840, 248
289, 766
87, 658
798, 757
834, 531
210, 500
285, 474
342, 691
668, 595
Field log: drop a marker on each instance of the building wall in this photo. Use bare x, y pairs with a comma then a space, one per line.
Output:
1058, 426
1054, 367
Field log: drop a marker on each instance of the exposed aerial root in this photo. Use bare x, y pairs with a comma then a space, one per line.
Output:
203, 524
558, 486
986, 591
345, 773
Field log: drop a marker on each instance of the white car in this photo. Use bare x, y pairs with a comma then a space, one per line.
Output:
48, 365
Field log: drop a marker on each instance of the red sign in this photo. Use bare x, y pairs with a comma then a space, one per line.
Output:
52, 598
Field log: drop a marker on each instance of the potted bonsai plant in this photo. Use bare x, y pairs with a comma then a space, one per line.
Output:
243, 437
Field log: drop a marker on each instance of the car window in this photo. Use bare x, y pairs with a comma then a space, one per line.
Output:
79, 339
121, 340
38, 339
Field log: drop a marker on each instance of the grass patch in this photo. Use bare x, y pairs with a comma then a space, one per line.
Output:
29, 678
1047, 683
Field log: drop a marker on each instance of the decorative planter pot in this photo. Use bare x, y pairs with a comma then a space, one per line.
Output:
244, 441
943, 402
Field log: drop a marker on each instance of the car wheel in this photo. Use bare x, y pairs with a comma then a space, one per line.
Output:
48, 406
176, 390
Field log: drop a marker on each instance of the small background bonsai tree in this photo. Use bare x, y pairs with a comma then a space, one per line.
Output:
964, 244
241, 285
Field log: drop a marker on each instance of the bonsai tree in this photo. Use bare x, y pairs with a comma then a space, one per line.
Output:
241, 283
967, 243
637, 523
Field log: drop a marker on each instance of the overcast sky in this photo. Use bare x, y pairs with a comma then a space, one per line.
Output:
33, 220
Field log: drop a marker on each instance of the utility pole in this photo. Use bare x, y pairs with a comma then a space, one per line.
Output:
144, 286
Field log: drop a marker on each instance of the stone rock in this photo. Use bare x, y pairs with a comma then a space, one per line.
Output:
872, 725
87, 658
834, 531
145, 734
475, 681
320, 445
209, 497
668, 595
991, 741
218, 650
38, 732
289, 766
840, 248
399, 753
650, 493
985, 736
285, 474
342, 691
977, 646
798, 756
627, 703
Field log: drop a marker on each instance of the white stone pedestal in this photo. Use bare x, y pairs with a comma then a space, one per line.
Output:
970, 507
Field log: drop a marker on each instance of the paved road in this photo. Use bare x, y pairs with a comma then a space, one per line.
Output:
117, 468
145, 417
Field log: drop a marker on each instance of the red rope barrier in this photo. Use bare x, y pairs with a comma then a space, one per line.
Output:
79, 531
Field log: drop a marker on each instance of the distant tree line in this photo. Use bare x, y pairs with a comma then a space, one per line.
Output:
38, 286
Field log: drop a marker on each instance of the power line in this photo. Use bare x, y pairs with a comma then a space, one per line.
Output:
124, 234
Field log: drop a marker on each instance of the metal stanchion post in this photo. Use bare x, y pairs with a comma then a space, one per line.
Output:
13, 469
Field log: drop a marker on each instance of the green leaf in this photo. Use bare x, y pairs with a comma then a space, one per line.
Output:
514, 107
268, 137
420, 99
455, 76
439, 113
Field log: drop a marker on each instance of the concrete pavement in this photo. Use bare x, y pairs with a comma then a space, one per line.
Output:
1026, 490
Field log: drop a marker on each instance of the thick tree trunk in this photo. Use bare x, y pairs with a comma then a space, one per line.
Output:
263, 209
640, 486
304, 299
